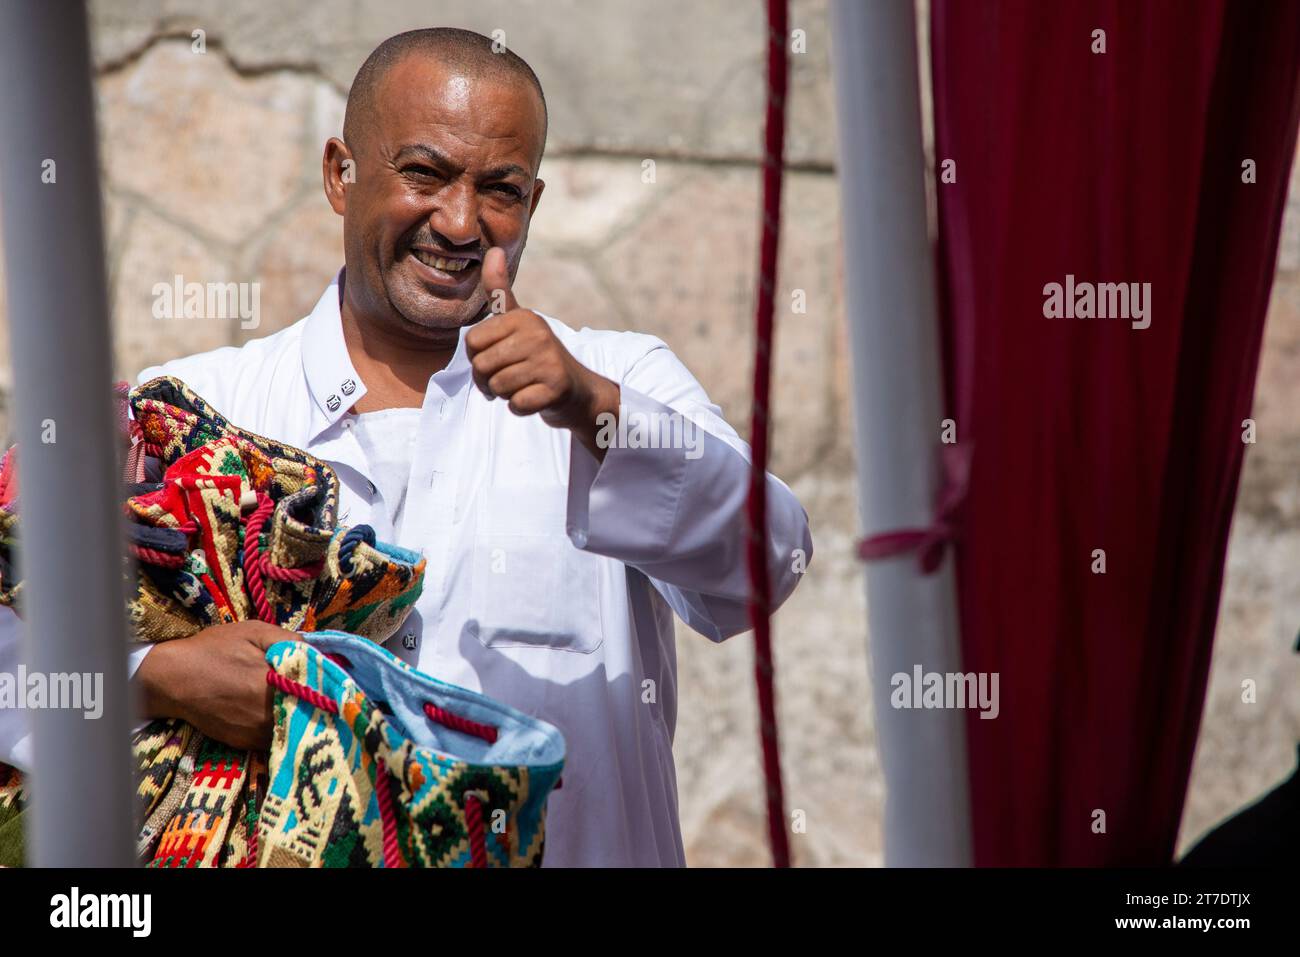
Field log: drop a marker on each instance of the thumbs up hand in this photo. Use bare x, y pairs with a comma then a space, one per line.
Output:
516, 356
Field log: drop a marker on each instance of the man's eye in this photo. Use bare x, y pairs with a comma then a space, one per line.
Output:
417, 170
506, 188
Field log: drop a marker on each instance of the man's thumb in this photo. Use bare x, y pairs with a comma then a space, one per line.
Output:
496, 281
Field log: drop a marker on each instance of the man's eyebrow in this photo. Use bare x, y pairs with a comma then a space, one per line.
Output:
438, 158
509, 169
434, 156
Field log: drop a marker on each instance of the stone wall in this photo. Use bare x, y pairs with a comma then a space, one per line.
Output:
212, 172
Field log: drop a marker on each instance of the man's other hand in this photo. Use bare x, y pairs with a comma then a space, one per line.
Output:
517, 357
215, 680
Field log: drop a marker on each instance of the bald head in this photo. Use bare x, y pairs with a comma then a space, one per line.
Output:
443, 143
459, 51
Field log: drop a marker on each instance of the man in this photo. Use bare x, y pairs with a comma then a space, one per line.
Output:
483, 435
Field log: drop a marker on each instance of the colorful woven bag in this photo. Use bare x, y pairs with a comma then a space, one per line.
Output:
239, 527
374, 764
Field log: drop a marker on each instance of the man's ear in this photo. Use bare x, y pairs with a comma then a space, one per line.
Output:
338, 169
538, 186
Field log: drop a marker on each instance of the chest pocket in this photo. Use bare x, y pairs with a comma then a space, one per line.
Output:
530, 587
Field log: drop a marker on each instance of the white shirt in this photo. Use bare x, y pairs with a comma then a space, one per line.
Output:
387, 439
551, 576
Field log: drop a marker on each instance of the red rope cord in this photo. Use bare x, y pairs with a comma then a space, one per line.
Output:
310, 695
281, 574
760, 606
474, 823
253, 557
387, 815
457, 723
155, 557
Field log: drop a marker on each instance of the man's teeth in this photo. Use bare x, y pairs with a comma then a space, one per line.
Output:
437, 262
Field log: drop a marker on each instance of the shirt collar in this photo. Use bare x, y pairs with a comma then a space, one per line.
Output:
331, 378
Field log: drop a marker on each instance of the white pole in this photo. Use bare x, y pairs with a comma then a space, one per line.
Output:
69, 499
889, 279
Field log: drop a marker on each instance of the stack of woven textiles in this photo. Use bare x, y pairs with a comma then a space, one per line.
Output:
372, 763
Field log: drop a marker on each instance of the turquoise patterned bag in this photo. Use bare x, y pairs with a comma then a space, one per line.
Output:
375, 764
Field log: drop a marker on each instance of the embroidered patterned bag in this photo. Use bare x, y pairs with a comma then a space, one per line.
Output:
374, 764
223, 490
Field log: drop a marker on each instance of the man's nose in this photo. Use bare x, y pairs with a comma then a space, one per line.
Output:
456, 215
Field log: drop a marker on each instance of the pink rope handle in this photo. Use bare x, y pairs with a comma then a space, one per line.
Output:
310, 695
760, 605
258, 564
253, 557
281, 574
458, 723
387, 815
163, 559
929, 543
154, 557
383, 786
474, 825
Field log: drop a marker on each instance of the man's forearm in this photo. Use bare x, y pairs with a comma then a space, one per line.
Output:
677, 512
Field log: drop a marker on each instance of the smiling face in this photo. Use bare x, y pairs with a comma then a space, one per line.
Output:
444, 169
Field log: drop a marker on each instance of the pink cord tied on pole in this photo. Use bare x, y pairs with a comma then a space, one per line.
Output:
929, 543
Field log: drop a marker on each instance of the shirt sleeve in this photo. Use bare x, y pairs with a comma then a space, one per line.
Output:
15, 727
15, 736
669, 499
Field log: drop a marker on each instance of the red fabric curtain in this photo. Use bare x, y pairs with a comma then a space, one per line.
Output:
1122, 166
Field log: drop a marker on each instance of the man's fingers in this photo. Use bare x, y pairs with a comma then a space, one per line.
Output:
481, 383
506, 382
532, 399
501, 381
502, 352
496, 281
486, 334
